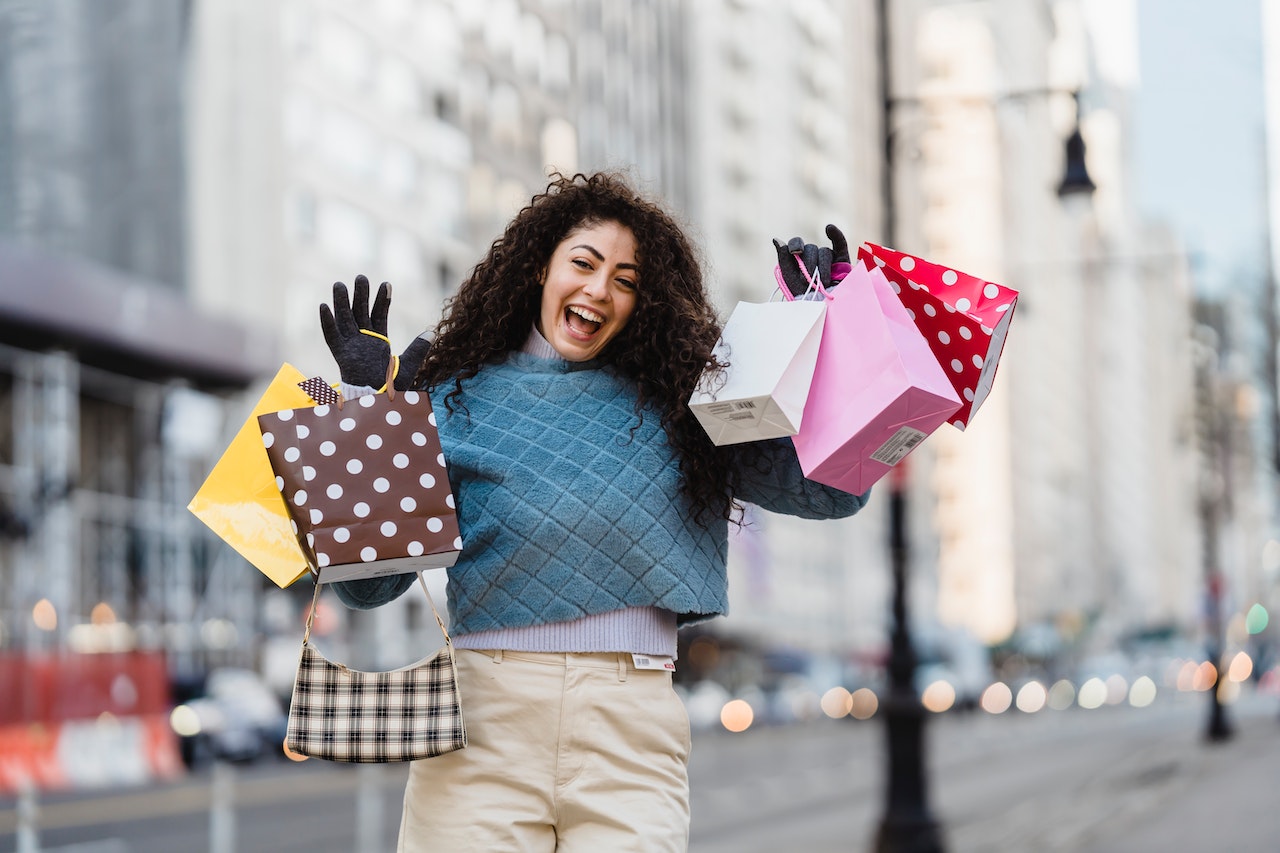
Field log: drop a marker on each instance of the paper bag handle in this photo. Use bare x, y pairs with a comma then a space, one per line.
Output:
815, 281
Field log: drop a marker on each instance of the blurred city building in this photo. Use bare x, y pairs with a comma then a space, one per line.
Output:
106, 362
171, 218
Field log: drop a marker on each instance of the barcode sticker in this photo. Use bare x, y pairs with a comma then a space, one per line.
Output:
898, 446
737, 411
653, 662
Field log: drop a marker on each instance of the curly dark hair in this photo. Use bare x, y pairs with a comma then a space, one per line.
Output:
664, 348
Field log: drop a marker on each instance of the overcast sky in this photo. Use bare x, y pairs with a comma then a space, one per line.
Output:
1199, 135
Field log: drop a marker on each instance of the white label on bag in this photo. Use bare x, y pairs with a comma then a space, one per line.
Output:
653, 662
898, 446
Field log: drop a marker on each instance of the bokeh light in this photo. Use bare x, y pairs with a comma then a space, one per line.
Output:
1256, 620
837, 702
1206, 676
1032, 697
45, 615
1143, 692
736, 715
290, 754
1241, 667
1093, 694
938, 696
864, 704
184, 721
1117, 689
996, 699
102, 614
1062, 695
1187, 675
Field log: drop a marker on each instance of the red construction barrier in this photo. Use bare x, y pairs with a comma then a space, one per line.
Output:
79, 720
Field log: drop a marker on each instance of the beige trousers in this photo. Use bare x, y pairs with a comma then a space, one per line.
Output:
576, 753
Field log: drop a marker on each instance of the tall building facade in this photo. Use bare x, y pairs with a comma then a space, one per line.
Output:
110, 373
784, 126
1069, 504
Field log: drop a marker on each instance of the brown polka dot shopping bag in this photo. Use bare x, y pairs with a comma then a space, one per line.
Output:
366, 485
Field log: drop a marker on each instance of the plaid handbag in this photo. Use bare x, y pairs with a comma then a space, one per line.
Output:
343, 714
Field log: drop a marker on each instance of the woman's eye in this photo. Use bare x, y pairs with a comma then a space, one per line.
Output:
626, 283
581, 264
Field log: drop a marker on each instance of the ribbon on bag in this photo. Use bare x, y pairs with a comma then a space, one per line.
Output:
366, 485
771, 349
877, 390
965, 319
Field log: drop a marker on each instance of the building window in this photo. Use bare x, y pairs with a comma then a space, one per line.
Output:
347, 233
398, 87
505, 116
346, 54
556, 71
300, 216
299, 123
400, 171
401, 256
349, 144
560, 146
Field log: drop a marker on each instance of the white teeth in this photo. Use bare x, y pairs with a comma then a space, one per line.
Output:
586, 315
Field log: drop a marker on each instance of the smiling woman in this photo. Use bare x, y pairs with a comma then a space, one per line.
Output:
594, 513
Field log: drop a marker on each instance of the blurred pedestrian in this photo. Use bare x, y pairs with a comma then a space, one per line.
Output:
594, 513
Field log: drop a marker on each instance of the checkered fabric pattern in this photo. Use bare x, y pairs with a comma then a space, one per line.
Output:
320, 391
342, 714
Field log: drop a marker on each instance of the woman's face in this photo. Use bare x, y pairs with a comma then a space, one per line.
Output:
589, 290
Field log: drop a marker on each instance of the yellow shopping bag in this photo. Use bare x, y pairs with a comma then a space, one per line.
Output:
240, 500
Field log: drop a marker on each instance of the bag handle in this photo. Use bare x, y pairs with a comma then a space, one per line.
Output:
315, 600
815, 282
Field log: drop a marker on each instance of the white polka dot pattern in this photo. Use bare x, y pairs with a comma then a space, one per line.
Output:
968, 335
373, 495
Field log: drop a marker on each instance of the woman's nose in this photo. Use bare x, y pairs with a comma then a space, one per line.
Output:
597, 287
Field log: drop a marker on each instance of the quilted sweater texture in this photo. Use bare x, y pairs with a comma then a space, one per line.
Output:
569, 503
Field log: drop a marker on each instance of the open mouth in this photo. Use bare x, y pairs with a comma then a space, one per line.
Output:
582, 321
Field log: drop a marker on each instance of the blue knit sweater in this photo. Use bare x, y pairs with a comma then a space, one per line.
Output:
569, 503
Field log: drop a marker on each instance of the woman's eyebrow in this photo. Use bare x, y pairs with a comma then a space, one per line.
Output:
600, 257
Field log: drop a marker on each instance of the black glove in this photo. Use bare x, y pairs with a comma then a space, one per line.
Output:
813, 257
362, 359
411, 362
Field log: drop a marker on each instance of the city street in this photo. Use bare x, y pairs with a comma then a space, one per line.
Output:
1117, 779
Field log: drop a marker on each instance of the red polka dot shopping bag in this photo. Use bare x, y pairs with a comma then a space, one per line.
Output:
964, 319
877, 390
366, 485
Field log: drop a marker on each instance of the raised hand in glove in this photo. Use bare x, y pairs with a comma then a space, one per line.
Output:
827, 262
358, 338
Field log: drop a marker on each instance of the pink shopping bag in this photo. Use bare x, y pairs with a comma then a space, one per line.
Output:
877, 390
965, 320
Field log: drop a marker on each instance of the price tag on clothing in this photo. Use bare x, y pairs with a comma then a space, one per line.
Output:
654, 662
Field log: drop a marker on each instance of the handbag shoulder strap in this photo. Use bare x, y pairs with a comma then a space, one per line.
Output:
315, 600
431, 601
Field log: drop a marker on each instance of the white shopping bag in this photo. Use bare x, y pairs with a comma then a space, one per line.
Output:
771, 349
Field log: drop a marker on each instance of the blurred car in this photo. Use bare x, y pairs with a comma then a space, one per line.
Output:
238, 719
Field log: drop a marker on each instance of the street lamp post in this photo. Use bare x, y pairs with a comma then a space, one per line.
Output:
908, 825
